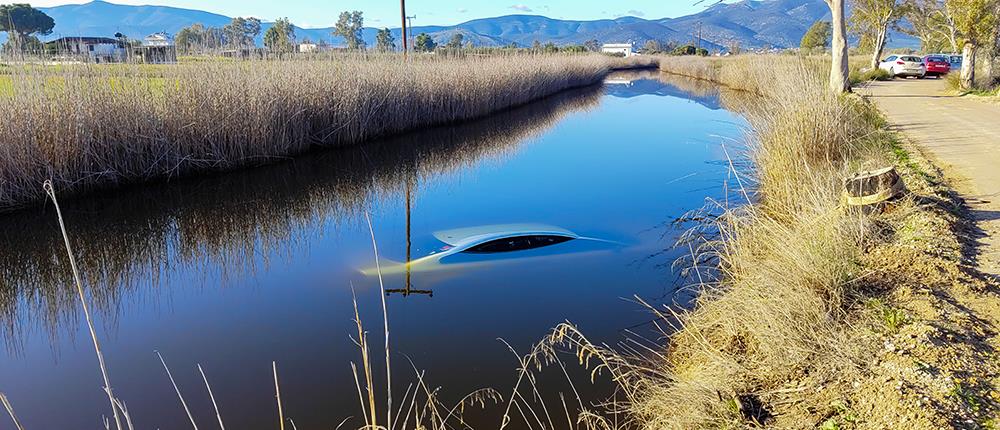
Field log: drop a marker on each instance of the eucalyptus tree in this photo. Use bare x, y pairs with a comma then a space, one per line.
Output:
456, 41
839, 70
349, 26
241, 32
976, 22
384, 41
872, 19
280, 38
424, 43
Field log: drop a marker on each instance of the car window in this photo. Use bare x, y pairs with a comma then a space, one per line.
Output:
911, 59
935, 59
891, 58
518, 243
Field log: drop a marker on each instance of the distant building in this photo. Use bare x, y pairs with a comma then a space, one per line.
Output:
158, 48
90, 49
623, 49
307, 48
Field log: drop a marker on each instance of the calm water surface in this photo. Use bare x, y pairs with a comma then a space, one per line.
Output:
239, 270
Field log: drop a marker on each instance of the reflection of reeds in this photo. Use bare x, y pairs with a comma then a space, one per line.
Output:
50, 190
228, 221
91, 127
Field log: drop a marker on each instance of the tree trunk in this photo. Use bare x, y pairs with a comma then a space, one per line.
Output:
839, 69
880, 40
989, 69
968, 80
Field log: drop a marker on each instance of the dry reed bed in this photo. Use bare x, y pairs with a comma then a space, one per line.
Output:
87, 127
788, 263
266, 211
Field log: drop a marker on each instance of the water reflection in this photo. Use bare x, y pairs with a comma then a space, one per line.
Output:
242, 269
232, 222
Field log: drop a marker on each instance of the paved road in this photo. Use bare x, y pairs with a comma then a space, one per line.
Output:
961, 134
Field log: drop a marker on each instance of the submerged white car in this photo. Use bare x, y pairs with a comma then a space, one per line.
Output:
904, 65
485, 244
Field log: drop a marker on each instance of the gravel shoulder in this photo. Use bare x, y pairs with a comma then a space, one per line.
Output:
962, 136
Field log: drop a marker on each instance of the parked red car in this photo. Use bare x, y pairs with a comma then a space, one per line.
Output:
937, 65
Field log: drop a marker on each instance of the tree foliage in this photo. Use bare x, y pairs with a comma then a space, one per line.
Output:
871, 21
349, 26
241, 32
818, 36
22, 22
280, 38
384, 41
976, 22
592, 45
652, 47
689, 50
424, 43
456, 41
199, 39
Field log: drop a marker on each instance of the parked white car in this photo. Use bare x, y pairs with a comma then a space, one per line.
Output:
904, 66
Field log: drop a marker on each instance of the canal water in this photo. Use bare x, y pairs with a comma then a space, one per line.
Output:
239, 270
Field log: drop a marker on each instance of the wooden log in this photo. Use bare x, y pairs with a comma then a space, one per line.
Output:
873, 187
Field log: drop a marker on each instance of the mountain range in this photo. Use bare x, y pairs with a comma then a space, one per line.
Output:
749, 23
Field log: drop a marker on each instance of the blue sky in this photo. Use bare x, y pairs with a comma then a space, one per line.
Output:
379, 13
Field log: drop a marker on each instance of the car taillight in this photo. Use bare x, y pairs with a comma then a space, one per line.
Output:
900, 63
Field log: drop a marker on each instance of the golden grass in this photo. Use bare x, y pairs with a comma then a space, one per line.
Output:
90, 126
785, 265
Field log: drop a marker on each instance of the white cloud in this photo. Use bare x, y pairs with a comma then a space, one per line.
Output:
521, 8
634, 12
463, 10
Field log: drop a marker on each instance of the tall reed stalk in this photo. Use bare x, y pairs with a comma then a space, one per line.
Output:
50, 190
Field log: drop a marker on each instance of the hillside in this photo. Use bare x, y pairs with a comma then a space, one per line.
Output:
750, 23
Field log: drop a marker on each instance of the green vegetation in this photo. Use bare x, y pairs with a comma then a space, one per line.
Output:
818, 36
424, 43
689, 50
871, 21
241, 32
22, 23
384, 42
874, 74
349, 26
280, 38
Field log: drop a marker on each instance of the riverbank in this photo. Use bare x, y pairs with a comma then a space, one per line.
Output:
91, 127
823, 317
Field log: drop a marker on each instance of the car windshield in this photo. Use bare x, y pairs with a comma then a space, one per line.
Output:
935, 59
518, 243
910, 59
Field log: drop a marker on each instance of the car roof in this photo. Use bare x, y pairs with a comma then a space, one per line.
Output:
480, 234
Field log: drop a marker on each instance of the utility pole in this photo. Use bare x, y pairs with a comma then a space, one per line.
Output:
402, 13
699, 36
409, 25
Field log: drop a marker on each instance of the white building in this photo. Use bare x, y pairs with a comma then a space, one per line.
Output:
307, 48
91, 49
623, 49
159, 48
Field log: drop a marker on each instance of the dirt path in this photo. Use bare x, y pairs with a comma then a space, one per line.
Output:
962, 135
